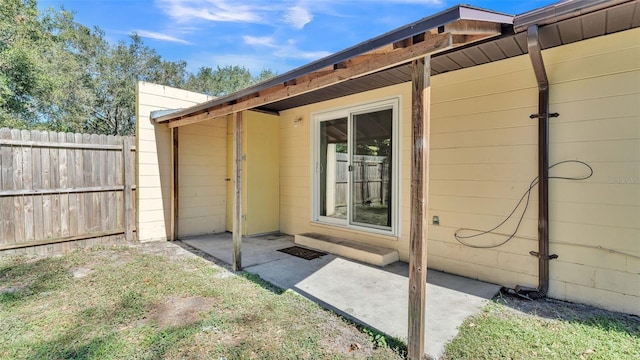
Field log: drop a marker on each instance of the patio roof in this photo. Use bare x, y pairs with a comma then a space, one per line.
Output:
457, 26
457, 38
581, 26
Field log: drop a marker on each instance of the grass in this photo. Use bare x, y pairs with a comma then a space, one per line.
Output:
115, 303
153, 301
568, 331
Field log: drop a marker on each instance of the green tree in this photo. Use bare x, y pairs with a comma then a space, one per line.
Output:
224, 80
43, 83
21, 74
60, 75
118, 70
264, 75
72, 67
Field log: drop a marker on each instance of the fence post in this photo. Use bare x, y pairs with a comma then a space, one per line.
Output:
128, 198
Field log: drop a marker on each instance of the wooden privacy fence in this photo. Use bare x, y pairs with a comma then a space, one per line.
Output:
370, 179
60, 187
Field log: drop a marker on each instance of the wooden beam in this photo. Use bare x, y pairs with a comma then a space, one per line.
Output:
473, 27
421, 97
431, 45
174, 184
467, 39
237, 191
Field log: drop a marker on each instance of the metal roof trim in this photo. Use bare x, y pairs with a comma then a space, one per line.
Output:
158, 113
468, 12
561, 11
458, 12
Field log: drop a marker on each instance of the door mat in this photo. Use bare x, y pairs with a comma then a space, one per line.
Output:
300, 252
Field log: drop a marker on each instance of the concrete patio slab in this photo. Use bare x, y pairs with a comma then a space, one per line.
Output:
373, 296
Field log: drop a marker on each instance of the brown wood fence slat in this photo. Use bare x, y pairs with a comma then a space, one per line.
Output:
64, 183
103, 196
71, 179
47, 226
61, 187
87, 199
27, 183
18, 202
6, 181
79, 170
111, 195
54, 173
36, 159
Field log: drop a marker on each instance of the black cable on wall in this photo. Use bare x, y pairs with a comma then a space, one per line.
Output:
463, 239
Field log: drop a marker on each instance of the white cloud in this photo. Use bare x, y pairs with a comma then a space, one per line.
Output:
259, 40
253, 12
298, 17
212, 10
160, 36
289, 50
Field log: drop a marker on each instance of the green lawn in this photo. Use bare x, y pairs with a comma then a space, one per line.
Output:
122, 303
546, 330
158, 301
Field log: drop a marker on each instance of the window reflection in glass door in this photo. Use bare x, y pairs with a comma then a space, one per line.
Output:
371, 168
334, 159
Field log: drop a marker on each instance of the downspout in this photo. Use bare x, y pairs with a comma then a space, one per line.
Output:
535, 54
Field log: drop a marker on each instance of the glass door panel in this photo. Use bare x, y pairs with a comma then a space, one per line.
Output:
334, 175
371, 163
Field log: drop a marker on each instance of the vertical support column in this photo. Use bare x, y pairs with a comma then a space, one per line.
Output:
174, 183
237, 191
420, 114
128, 175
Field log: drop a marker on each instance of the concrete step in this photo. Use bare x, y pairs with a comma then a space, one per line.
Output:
369, 254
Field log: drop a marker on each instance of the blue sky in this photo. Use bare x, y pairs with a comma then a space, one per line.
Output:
258, 34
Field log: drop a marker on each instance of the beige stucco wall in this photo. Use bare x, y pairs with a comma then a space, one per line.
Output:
202, 169
483, 156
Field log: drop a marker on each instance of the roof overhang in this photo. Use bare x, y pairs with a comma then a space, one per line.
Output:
453, 27
456, 38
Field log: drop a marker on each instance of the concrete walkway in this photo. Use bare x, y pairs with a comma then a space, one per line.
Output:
372, 296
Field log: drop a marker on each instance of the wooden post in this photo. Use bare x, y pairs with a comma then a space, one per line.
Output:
127, 194
421, 69
237, 191
174, 184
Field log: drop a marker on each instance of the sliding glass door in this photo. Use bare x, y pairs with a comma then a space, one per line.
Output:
355, 157
371, 161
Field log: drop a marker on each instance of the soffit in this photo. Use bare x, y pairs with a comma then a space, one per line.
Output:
606, 21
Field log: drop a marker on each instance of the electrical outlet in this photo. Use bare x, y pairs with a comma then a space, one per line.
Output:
436, 220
